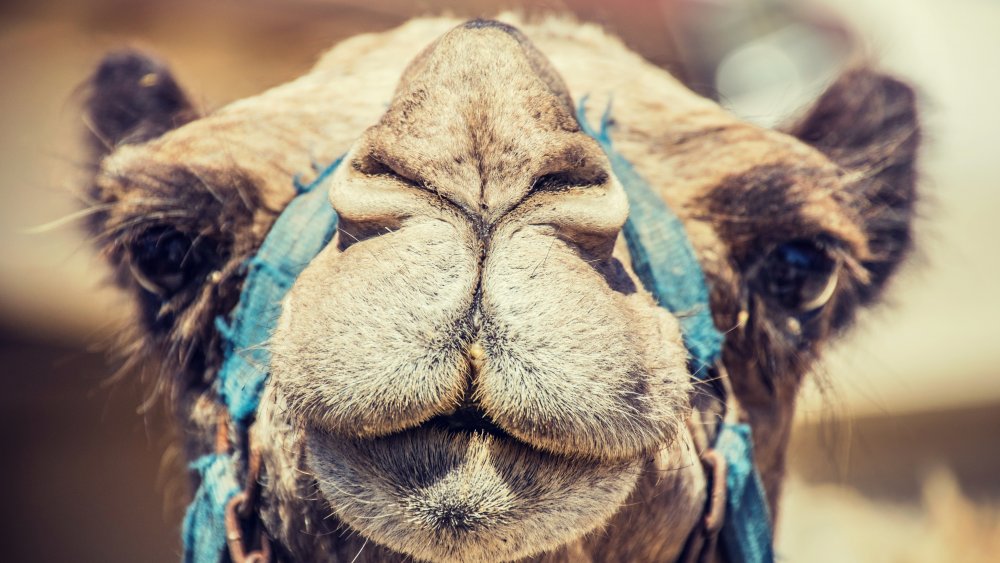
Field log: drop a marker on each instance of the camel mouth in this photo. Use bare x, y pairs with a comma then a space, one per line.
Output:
458, 487
469, 420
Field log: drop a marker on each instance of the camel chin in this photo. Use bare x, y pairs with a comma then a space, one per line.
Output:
459, 496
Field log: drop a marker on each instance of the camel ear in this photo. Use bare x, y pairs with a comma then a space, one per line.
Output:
867, 123
133, 98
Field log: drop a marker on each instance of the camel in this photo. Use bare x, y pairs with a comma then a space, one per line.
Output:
471, 368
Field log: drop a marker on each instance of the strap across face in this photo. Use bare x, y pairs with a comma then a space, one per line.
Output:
662, 255
663, 258
303, 229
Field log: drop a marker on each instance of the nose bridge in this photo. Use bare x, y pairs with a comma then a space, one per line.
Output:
567, 172
493, 168
473, 114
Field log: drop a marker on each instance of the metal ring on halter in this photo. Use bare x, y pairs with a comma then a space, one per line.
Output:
241, 515
241, 551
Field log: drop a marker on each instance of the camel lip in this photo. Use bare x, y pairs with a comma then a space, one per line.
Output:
465, 421
469, 420
441, 493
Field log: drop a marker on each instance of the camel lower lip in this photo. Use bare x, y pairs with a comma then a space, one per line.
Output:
438, 494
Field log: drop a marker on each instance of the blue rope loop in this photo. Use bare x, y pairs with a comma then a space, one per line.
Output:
663, 258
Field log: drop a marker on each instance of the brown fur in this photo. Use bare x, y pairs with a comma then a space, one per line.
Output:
479, 275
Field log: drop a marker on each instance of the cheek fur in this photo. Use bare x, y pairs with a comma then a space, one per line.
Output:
374, 338
570, 363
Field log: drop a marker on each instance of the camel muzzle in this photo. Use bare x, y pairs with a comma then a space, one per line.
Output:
662, 257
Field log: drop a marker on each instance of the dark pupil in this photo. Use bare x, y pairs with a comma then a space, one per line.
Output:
796, 272
167, 257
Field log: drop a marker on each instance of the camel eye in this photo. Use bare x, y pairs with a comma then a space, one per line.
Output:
799, 275
164, 260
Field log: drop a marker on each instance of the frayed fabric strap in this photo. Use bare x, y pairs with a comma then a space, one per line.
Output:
663, 258
746, 533
205, 521
305, 226
303, 229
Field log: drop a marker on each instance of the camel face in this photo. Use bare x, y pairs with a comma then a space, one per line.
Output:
470, 369
457, 339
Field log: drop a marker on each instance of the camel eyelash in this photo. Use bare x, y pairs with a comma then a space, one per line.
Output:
800, 275
164, 260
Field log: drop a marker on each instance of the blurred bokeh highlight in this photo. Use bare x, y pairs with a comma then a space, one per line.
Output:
896, 455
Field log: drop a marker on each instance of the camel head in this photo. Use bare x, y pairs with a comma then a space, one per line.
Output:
470, 369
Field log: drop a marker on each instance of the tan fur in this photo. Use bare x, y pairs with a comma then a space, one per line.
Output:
479, 262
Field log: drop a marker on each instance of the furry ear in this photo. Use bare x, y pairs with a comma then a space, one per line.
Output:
133, 98
867, 123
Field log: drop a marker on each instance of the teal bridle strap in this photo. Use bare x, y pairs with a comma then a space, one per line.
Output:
663, 258
301, 231
305, 226
746, 532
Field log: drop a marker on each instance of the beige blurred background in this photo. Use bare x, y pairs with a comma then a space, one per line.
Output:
896, 457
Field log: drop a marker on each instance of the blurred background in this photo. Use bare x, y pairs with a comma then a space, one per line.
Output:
896, 456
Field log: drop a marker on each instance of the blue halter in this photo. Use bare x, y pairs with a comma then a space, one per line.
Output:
662, 257
305, 226
664, 260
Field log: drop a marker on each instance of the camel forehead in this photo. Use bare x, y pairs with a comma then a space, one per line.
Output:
477, 116
475, 113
